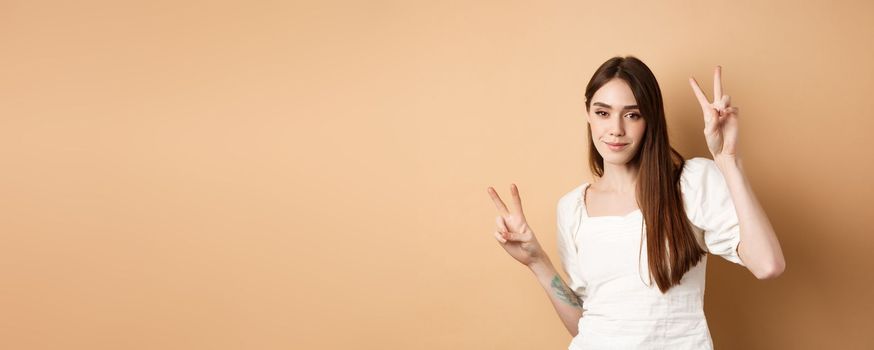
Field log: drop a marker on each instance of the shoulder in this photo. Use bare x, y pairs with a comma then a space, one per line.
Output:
699, 172
571, 199
702, 184
697, 165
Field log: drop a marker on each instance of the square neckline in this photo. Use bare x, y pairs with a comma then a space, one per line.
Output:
585, 211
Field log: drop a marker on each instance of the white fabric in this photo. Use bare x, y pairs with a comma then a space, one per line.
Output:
607, 268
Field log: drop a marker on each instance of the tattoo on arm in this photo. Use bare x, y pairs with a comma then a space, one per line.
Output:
564, 293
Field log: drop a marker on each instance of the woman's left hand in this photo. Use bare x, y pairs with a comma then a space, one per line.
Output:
720, 119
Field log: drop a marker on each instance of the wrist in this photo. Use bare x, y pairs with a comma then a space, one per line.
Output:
542, 266
727, 162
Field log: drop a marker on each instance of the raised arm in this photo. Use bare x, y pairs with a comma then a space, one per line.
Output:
758, 248
518, 239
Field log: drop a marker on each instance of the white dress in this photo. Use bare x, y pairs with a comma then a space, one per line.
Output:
605, 258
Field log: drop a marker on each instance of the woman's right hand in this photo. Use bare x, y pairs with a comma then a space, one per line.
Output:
513, 232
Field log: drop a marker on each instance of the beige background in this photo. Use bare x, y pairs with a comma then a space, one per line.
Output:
275, 175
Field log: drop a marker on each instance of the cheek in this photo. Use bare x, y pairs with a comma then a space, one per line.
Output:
596, 127
639, 130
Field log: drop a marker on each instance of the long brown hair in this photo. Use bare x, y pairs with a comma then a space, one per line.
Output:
672, 248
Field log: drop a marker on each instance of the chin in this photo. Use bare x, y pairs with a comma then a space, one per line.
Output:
616, 159
622, 161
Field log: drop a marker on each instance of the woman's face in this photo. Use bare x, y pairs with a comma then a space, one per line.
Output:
615, 122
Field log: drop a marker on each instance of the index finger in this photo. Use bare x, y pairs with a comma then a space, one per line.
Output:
497, 200
702, 98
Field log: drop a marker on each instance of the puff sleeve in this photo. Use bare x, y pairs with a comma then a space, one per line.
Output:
709, 207
567, 250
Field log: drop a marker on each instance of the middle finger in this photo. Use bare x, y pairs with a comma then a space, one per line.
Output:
517, 199
717, 83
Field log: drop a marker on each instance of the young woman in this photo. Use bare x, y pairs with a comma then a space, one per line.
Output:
634, 243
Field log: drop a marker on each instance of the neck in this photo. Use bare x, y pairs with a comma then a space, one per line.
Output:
620, 178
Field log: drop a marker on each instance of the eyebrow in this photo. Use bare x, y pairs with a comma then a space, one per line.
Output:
600, 104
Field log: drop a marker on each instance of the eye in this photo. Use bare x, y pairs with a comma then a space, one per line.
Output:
599, 113
634, 116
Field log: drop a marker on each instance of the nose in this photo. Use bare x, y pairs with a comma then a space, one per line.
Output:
617, 128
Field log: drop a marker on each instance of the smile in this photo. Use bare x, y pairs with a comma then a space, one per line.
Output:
616, 146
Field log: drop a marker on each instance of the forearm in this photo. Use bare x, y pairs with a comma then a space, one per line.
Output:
759, 248
564, 300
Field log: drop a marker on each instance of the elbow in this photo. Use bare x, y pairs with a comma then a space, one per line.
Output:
771, 271
574, 329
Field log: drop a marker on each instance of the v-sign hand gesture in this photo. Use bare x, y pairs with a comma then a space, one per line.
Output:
720, 118
512, 230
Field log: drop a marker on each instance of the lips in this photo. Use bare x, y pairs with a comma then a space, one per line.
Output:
616, 146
